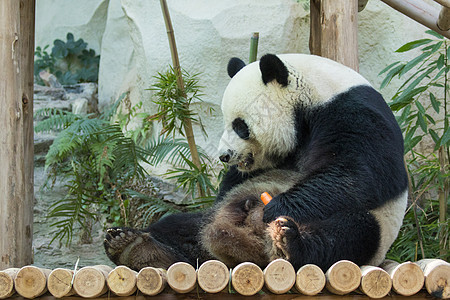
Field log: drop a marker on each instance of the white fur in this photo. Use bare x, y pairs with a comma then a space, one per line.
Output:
268, 109
390, 218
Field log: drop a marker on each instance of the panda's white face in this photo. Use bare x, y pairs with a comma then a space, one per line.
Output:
259, 121
260, 101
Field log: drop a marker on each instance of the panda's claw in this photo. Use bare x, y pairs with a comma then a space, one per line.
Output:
281, 231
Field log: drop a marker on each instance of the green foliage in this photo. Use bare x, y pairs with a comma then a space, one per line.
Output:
173, 111
101, 162
422, 113
98, 160
173, 104
71, 62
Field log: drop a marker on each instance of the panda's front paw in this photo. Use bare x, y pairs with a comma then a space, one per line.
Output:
282, 231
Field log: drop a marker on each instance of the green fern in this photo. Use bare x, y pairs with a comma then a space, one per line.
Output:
171, 151
154, 207
54, 119
75, 208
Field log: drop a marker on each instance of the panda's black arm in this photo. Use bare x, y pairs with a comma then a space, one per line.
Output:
231, 179
324, 194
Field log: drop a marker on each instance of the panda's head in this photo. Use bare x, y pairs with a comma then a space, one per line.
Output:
258, 109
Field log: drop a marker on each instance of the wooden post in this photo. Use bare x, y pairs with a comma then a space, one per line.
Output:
334, 30
16, 134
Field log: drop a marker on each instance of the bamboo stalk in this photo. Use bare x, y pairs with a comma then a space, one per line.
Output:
253, 47
189, 132
443, 192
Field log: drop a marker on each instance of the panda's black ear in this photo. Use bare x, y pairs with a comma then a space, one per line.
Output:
272, 68
234, 65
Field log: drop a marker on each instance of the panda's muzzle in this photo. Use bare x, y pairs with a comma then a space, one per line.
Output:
243, 162
246, 162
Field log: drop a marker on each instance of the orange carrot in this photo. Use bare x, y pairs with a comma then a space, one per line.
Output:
265, 197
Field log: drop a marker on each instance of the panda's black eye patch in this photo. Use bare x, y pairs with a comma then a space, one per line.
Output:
241, 128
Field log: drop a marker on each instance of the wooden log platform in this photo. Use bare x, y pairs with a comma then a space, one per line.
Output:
213, 280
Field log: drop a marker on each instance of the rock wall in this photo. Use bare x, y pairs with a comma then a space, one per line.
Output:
132, 40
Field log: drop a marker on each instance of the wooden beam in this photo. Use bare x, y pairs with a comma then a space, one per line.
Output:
334, 30
16, 134
443, 22
419, 11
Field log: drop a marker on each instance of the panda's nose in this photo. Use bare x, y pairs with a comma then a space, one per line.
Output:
225, 157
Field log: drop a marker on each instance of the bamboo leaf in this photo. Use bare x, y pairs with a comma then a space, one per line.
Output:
434, 136
414, 141
413, 44
445, 138
391, 74
412, 63
434, 33
388, 67
422, 123
406, 98
440, 62
434, 103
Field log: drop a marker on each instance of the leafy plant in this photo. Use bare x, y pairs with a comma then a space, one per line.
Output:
173, 113
71, 62
97, 159
421, 104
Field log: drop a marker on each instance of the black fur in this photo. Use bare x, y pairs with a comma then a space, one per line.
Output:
241, 128
234, 65
272, 68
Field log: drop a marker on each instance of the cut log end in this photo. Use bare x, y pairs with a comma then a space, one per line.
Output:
279, 276
31, 282
375, 282
181, 277
122, 281
90, 282
343, 277
7, 282
151, 281
407, 278
437, 277
213, 276
60, 283
310, 280
247, 279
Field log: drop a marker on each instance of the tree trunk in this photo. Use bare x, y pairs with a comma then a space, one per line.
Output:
334, 30
16, 135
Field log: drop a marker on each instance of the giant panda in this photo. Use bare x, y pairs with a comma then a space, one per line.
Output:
322, 142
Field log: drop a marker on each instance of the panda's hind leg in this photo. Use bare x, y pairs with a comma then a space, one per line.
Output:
137, 249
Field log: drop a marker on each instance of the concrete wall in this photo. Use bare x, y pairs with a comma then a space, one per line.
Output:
132, 40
